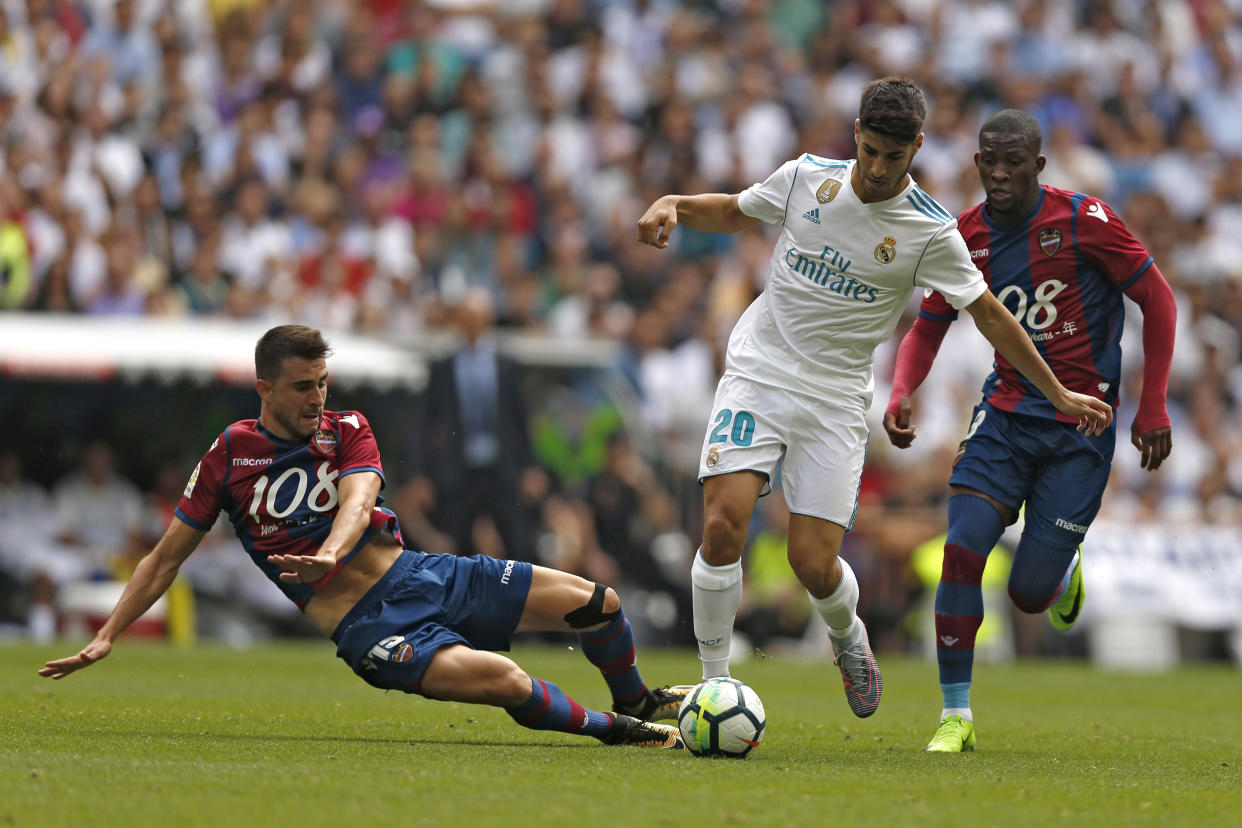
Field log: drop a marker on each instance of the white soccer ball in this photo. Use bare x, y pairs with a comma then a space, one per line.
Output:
721, 717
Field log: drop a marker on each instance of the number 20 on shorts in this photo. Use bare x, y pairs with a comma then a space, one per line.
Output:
743, 430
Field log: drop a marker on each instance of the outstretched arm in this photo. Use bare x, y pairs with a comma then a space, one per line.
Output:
1151, 431
151, 579
915, 356
997, 324
709, 212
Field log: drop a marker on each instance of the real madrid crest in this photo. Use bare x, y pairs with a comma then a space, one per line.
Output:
1050, 241
827, 191
325, 441
886, 250
713, 456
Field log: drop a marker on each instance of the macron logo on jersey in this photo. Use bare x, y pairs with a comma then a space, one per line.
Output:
1096, 209
252, 461
812, 216
351, 419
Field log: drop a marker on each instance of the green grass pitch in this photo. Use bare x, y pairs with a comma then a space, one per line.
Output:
286, 735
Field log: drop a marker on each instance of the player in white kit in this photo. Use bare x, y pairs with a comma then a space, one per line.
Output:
858, 237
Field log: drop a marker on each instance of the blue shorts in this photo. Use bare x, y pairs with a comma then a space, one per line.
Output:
424, 603
1052, 467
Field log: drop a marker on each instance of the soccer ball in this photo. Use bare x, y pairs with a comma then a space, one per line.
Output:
721, 717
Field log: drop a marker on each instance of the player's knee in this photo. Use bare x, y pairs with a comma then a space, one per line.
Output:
1026, 603
813, 565
512, 686
1037, 572
601, 609
612, 602
1031, 590
724, 529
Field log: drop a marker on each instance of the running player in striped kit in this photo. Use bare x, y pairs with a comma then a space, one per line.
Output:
1061, 262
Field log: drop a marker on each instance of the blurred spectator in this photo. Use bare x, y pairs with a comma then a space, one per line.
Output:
30, 557
478, 440
121, 293
205, 287
131, 51
99, 512
616, 497
15, 282
254, 243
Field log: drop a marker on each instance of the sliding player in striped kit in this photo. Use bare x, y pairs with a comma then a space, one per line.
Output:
1061, 262
856, 238
301, 485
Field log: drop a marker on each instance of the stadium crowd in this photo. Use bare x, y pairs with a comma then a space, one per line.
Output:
366, 165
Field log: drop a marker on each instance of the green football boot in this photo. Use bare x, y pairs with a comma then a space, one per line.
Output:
1065, 611
955, 735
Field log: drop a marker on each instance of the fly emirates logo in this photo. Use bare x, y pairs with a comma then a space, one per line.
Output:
830, 270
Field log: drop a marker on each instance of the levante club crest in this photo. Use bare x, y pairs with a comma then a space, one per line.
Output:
325, 441
1050, 241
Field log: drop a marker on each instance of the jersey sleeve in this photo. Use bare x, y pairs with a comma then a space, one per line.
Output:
1106, 241
203, 497
945, 267
768, 200
358, 451
936, 308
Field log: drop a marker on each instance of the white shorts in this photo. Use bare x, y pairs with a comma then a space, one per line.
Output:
818, 447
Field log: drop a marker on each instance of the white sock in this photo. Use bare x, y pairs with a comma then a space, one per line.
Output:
716, 593
839, 608
964, 712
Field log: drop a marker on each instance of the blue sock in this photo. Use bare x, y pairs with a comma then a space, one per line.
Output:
548, 708
612, 651
956, 695
974, 528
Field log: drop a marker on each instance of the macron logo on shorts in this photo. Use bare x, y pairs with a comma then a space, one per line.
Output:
504, 576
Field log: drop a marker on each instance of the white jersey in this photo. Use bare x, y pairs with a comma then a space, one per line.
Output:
840, 277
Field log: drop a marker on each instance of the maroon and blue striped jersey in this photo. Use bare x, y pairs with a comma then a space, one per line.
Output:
1061, 270
281, 495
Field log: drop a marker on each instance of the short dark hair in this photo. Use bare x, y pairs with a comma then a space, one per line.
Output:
285, 341
1015, 122
893, 107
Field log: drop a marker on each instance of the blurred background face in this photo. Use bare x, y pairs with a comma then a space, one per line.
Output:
475, 315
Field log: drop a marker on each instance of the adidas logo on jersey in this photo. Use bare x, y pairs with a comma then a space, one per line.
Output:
812, 216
